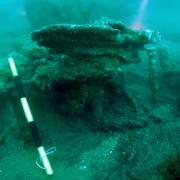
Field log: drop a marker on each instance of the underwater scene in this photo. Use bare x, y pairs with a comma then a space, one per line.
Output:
89, 90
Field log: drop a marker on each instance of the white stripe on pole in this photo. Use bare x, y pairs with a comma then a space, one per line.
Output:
13, 67
29, 118
26, 109
45, 160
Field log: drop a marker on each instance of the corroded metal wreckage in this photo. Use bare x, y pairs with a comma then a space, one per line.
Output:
81, 67
106, 39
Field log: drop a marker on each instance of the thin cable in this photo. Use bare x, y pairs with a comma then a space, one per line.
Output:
50, 151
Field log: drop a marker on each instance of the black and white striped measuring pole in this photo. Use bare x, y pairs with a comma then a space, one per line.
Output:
29, 117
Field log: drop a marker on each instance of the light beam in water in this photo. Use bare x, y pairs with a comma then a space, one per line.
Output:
137, 24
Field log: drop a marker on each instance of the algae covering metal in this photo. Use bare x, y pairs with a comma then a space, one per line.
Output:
90, 85
104, 39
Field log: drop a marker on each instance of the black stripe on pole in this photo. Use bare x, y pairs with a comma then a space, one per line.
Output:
35, 134
19, 86
32, 125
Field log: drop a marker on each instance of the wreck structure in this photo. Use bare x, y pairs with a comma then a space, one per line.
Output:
81, 68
